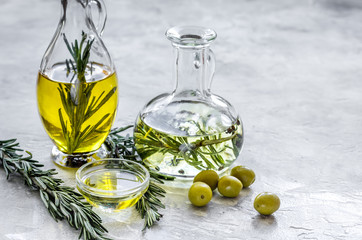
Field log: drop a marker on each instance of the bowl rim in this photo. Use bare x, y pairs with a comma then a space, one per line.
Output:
117, 193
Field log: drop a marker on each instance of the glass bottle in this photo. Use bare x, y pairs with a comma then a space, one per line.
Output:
190, 129
77, 88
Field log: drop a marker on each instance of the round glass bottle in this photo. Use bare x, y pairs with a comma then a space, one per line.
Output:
189, 129
77, 89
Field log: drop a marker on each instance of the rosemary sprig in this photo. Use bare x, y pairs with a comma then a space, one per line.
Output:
78, 103
205, 153
61, 201
149, 204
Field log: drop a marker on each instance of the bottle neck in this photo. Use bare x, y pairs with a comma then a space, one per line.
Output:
73, 12
190, 71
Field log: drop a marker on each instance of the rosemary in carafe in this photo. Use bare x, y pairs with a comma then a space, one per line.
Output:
189, 129
77, 86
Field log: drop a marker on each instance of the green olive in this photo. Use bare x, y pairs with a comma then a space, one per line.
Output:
244, 174
210, 177
266, 203
229, 186
200, 194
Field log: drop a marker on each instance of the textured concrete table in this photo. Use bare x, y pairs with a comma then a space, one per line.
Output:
293, 70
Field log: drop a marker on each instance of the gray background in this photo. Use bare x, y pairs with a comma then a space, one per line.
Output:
291, 68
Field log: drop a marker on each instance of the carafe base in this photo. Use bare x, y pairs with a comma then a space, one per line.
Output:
78, 159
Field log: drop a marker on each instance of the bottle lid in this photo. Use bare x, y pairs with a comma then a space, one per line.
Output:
190, 36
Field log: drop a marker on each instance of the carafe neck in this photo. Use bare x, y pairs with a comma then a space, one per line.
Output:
77, 14
191, 71
73, 12
76, 30
194, 64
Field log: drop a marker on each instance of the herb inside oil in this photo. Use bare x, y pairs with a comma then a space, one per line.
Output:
206, 151
76, 98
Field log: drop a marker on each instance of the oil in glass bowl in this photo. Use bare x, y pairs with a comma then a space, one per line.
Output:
112, 184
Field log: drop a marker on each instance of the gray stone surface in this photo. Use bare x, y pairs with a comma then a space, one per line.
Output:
291, 68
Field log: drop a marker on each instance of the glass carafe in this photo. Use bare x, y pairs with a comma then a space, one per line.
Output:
77, 88
190, 129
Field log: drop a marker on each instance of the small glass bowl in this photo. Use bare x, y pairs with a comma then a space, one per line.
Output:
112, 184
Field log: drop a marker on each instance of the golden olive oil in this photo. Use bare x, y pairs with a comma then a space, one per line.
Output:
185, 155
107, 187
79, 126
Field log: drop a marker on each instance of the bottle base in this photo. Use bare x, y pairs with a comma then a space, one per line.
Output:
183, 182
78, 159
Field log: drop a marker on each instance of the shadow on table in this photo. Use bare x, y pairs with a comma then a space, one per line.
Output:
261, 222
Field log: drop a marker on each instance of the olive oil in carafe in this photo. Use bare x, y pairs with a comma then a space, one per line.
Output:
189, 129
80, 125
183, 155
